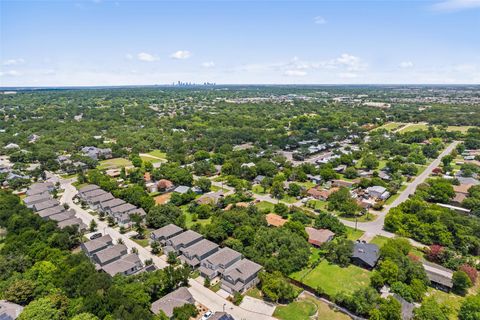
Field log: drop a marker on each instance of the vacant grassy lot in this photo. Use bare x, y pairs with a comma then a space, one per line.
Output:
334, 279
462, 129
265, 206
258, 189
390, 126
114, 163
413, 127
150, 159
158, 154
353, 234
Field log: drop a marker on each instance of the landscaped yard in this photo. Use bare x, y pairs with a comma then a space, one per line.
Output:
265, 206
289, 199
254, 293
157, 153
304, 308
258, 189
318, 205
353, 234
452, 301
114, 163
333, 279
145, 241
189, 218
379, 240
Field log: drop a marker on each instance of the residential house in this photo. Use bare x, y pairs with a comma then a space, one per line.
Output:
275, 220
45, 205
86, 189
9, 310
365, 255
384, 175
97, 153
164, 233
175, 299
40, 187
73, 222
315, 179
221, 316
195, 253
440, 277
210, 198
45, 213
182, 189
407, 307
123, 208
126, 265
321, 194
343, 183
86, 196
93, 246
110, 254
461, 192
217, 263
378, 192
241, 276
165, 185
107, 206
41, 197
182, 241
317, 237
258, 179
95, 201
61, 216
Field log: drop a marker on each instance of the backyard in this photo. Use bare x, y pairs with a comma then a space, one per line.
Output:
306, 307
114, 163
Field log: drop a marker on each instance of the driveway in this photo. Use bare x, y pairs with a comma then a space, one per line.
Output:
257, 305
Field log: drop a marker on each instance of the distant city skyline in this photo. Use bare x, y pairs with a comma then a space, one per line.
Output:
110, 43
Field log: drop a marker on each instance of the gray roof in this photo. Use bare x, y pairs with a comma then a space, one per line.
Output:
174, 299
102, 198
122, 265
110, 253
50, 211
37, 197
167, 231
9, 310
88, 188
407, 307
242, 270
223, 256
181, 189
95, 244
200, 248
72, 222
185, 237
45, 204
62, 216
93, 193
366, 252
123, 208
221, 316
112, 203
138, 211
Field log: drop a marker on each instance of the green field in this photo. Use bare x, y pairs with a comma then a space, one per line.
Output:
150, 159
390, 126
305, 308
353, 234
114, 163
462, 129
289, 199
258, 189
265, 206
414, 127
158, 154
318, 205
334, 279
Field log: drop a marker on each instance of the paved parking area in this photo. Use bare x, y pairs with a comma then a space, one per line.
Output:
257, 305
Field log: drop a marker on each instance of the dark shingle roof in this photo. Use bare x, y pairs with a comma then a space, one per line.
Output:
366, 252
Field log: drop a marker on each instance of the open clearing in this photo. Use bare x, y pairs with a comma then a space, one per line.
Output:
306, 307
334, 279
114, 163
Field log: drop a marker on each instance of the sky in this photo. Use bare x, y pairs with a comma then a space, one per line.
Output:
103, 42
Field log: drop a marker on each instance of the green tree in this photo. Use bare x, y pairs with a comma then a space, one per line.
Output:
204, 184
470, 309
93, 225
461, 282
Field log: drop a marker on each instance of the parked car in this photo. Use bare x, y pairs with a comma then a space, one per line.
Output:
207, 315
95, 236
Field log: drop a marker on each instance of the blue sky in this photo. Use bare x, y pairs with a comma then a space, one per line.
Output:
63, 43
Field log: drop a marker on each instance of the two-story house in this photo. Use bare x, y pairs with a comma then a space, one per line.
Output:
195, 253
241, 276
217, 263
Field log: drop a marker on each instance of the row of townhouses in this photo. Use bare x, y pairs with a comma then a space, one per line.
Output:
40, 200
236, 273
102, 201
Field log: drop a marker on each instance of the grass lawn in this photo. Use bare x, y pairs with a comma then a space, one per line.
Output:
462, 129
414, 127
379, 240
79, 185
150, 159
325, 312
265, 206
297, 310
390, 126
254, 293
317, 205
307, 185
188, 218
216, 286
365, 218
258, 189
334, 279
114, 163
289, 199
157, 153
353, 234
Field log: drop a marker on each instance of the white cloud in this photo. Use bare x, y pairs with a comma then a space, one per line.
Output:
208, 64
181, 54
319, 20
455, 5
352, 63
10, 73
295, 73
146, 57
406, 64
347, 75
12, 62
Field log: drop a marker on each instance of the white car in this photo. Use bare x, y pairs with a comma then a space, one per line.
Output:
207, 315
